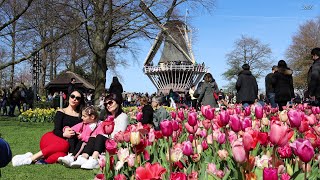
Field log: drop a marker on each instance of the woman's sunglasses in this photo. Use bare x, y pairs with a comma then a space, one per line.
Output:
108, 103
78, 98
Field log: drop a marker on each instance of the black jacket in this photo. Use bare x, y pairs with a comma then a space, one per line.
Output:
268, 83
314, 79
147, 114
247, 87
283, 85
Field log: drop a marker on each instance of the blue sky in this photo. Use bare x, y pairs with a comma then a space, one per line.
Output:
272, 22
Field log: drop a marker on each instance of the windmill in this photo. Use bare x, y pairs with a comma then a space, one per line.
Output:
177, 69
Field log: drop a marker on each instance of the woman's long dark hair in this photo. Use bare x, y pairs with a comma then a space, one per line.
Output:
118, 100
81, 102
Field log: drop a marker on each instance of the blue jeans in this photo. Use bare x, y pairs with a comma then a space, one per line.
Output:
271, 98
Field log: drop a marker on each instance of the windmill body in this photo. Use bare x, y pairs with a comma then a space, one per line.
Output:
177, 69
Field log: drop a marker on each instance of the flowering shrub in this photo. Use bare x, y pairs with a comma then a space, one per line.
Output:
237, 143
37, 115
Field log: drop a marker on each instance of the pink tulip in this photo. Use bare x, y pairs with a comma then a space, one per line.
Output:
175, 125
111, 146
166, 128
206, 124
211, 169
232, 136
238, 110
108, 125
120, 177
312, 120
209, 113
204, 108
246, 123
181, 114
151, 135
285, 176
173, 114
204, 145
99, 177
247, 111
235, 123
279, 134
139, 116
270, 174
295, 117
191, 129
102, 161
303, 149
187, 148
238, 151
248, 142
258, 110
224, 118
230, 111
304, 126
221, 138
192, 118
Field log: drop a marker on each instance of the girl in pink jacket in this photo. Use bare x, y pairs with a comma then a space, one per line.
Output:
89, 127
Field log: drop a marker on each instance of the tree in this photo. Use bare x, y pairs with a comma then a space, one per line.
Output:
251, 51
298, 53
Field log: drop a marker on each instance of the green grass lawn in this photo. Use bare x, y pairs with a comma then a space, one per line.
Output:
25, 137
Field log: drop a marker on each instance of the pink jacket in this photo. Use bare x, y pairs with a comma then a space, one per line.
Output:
87, 130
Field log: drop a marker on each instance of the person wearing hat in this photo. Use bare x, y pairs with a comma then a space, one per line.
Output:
283, 84
314, 77
270, 89
246, 86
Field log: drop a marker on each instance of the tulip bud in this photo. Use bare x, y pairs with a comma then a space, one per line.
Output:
175, 125
139, 116
258, 112
181, 115
247, 111
204, 145
173, 114
187, 148
192, 118
270, 173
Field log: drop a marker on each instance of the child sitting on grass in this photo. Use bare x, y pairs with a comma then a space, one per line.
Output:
89, 127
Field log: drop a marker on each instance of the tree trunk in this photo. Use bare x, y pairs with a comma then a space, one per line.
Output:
43, 69
13, 53
73, 52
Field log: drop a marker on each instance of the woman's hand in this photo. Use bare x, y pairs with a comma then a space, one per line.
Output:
68, 132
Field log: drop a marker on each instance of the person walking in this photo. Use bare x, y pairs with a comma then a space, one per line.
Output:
270, 89
283, 84
208, 88
314, 77
246, 86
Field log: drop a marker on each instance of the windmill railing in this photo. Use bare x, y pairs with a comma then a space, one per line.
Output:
175, 67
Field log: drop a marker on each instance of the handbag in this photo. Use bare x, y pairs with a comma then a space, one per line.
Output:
215, 95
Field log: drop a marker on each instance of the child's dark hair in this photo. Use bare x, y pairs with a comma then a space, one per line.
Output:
90, 110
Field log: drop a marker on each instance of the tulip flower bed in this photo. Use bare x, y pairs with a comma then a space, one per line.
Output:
251, 143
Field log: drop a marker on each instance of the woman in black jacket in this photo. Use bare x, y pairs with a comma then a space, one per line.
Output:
283, 84
147, 111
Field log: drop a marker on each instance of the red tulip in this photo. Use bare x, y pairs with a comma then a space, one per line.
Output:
120, 177
108, 125
126, 136
285, 151
249, 140
111, 146
258, 110
191, 137
279, 134
139, 116
304, 126
303, 149
270, 174
235, 123
175, 125
238, 110
204, 145
181, 114
263, 138
166, 128
173, 114
178, 176
238, 151
150, 171
224, 118
192, 118
247, 111
187, 148
295, 117
99, 177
